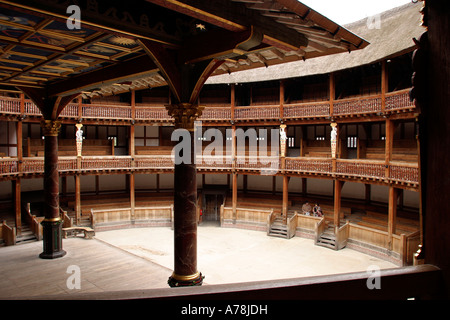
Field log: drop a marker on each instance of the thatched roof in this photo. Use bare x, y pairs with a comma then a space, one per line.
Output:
394, 36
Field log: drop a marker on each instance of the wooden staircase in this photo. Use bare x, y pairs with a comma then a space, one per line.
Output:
327, 235
26, 235
278, 228
327, 238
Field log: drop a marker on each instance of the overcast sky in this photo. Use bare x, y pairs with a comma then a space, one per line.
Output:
346, 11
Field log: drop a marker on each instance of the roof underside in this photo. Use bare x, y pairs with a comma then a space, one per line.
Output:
104, 56
389, 36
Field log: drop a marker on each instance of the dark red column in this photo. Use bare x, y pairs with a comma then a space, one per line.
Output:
185, 204
52, 223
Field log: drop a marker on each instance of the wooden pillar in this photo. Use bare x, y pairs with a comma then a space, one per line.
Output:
185, 201
52, 223
304, 187
331, 90
285, 206
234, 195
245, 183
337, 202
368, 191
233, 101
390, 128
392, 214
16, 188
78, 198
281, 99
132, 194
384, 84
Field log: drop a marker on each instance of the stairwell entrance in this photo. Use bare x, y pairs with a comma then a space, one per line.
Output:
213, 198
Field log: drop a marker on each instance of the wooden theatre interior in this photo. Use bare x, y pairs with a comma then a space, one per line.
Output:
87, 116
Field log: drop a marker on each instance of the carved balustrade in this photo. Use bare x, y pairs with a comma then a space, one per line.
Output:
394, 101
9, 105
152, 113
257, 112
399, 172
70, 111
109, 112
33, 165
216, 113
106, 163
358, 105
398, 100
309, 165
361, 168
152, 162
306, 110
404, 172
8, 166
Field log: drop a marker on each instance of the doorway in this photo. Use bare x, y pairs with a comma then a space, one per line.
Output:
212, 200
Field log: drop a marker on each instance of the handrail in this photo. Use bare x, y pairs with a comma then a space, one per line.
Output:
319, 229
33, 222
342, 234
402, 172
8, 234
422, 281
395, 101
67, 221
292, 223
270, 219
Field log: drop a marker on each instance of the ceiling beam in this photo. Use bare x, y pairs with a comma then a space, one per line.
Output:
235, 16
128, 70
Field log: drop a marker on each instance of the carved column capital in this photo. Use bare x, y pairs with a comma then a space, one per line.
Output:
184, 114
50, 127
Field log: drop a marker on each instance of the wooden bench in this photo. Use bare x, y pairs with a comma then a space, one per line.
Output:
74, 231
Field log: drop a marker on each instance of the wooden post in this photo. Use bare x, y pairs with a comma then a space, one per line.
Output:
392, 214
77, 198
384, 85
337, 202
234, 196
332, 90
368, 192
285, 198
132, 195
16, 185
390, 128
281, 99
131, 144
233, 101
304, 187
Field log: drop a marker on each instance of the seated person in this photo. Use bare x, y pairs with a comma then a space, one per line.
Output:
317, 211
306, 209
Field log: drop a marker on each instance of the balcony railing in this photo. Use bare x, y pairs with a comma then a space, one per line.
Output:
354, 169
397, 101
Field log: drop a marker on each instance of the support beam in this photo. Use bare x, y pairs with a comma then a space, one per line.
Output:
392, 214
16, 188
77, 199
234, 195
52, 223
285, 198
132, 195
337, 202
185, 200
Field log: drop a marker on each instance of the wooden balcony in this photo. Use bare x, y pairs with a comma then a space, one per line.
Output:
394, 102
400, 173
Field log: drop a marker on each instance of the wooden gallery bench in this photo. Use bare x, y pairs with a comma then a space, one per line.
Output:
74, 231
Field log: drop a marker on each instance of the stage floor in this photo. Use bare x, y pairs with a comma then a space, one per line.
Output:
142, 258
